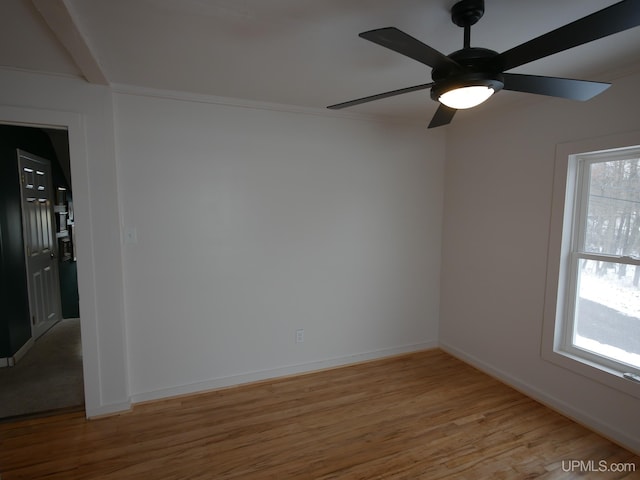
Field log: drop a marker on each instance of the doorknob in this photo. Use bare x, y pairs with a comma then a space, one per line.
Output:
53, 255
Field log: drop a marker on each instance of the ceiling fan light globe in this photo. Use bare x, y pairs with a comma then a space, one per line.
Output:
466, 97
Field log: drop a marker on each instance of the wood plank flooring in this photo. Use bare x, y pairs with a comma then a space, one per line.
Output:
419, 416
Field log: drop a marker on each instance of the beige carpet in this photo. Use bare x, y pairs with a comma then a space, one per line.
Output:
48, 377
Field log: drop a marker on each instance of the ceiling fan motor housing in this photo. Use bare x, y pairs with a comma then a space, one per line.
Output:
478, 69
471, 59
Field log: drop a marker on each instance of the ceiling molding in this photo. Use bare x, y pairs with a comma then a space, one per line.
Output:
183, 96
63, 24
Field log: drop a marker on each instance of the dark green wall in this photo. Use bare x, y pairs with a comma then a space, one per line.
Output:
69, 290
15, 329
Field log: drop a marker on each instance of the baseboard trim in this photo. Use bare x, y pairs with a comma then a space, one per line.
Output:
22, 351
107, 410
11, 361
256, 376
579, 416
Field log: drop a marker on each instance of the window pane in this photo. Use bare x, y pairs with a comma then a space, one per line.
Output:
613, 211
608, 310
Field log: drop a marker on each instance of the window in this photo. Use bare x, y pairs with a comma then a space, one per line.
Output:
603, 301
592, 311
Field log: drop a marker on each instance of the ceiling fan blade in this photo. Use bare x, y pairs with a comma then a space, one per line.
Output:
554, 86
379, 96
443, 116
616, 18
398, 41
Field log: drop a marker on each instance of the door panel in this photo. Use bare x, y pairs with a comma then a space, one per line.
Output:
40, 241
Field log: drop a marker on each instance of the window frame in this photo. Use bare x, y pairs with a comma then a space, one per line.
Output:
584, 162
569, 203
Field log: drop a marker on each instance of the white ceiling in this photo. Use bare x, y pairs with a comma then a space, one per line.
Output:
295, 52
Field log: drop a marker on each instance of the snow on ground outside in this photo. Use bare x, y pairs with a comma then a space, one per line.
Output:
615, 293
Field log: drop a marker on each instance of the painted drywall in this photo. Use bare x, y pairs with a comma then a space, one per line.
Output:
498, 190
86, 111
243, 225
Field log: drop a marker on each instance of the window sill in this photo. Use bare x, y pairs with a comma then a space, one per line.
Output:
593, 371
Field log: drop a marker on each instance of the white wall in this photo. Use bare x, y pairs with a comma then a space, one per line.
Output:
498, 189
252, 223
86, 111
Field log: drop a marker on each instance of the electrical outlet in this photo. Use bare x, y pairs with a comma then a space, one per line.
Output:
299, 336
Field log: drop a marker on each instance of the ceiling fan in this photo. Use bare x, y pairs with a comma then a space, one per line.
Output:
468, 77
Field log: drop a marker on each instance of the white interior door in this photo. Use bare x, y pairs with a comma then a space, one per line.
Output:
40, 241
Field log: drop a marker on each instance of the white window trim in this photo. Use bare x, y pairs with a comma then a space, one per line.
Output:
558, 264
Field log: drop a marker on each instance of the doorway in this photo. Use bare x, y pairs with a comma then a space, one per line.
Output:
47, 375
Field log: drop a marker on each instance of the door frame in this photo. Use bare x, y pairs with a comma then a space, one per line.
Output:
88, 112
73, 123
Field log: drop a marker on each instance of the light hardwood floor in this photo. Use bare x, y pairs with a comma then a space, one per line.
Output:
419, 416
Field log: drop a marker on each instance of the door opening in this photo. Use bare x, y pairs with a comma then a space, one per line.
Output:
46, 372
